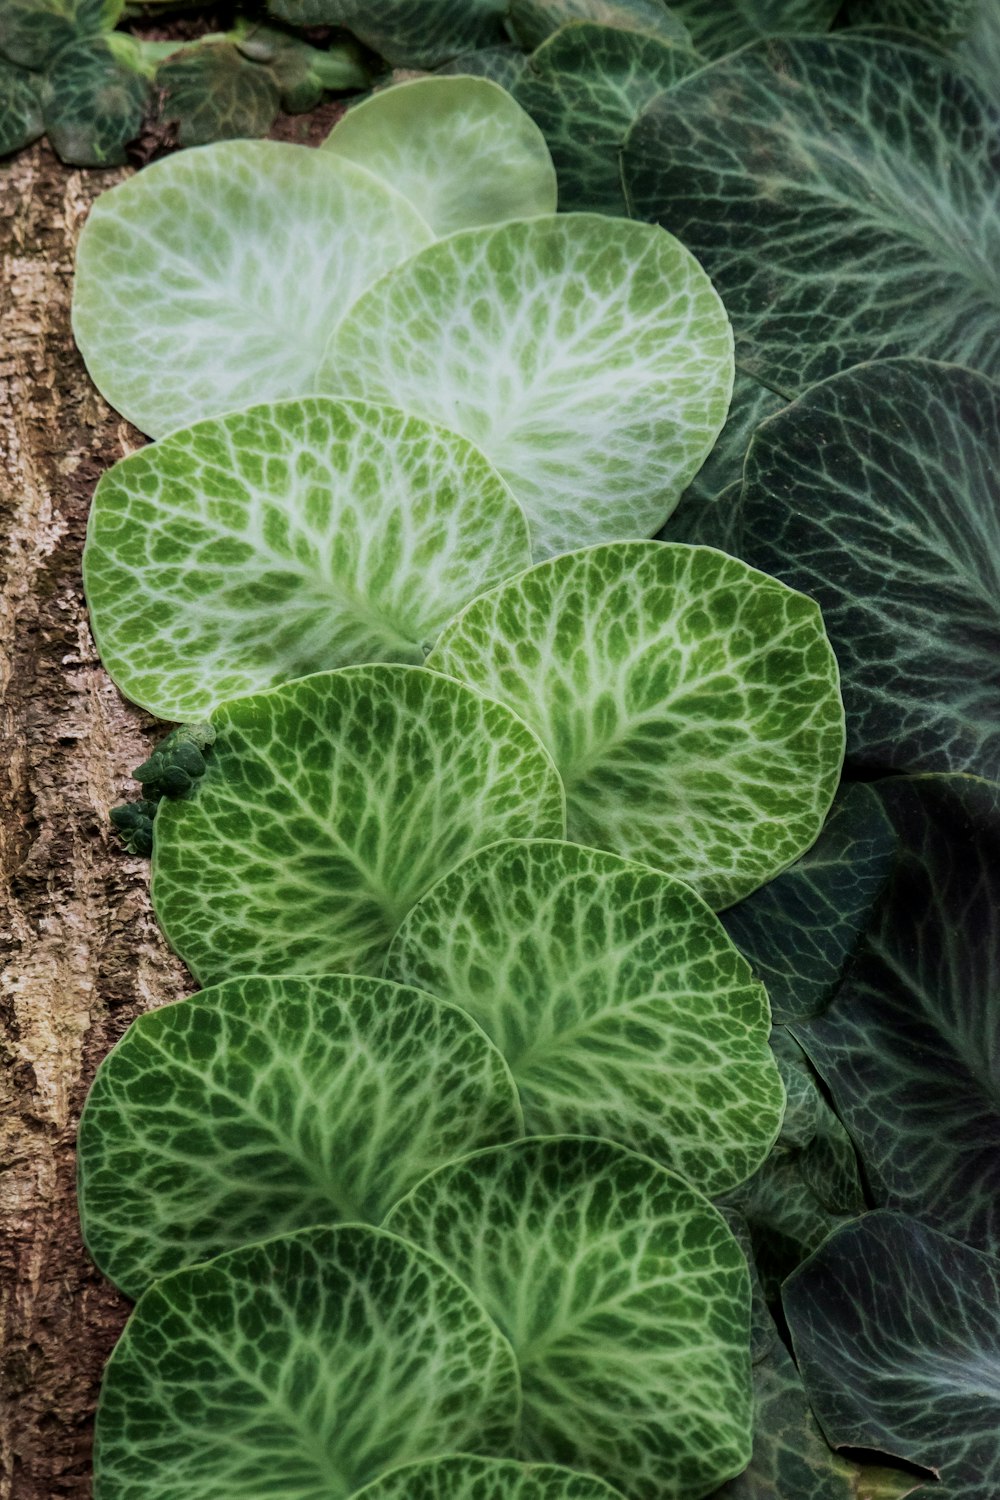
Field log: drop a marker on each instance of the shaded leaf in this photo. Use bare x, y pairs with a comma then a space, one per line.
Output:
33, 31
532, 21
94, 100
302, 73
503, 64
20, 108
461, 1477
407, 33
694, 519
720, 26
213, 93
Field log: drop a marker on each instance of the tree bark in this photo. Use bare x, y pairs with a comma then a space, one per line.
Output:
79, 951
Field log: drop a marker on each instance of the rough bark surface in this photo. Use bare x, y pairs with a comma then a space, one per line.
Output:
79, 952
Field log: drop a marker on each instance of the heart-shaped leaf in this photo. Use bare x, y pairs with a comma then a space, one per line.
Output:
589, 358
329, 806
302, 1367
616, 998
273, 542
626, 1299
214, 278
690, 703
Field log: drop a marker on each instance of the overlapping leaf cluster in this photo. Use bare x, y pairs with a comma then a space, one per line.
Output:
426, 1169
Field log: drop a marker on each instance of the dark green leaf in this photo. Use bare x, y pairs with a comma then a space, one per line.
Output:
407, 33
844, 196
693, 519
20, 109
800, 930
720, 26
32, 31
214, 93
94, 99
907, 1046
531, 21
584, 87
897, 1331
944, 20
876, 493
502, 64
301, 73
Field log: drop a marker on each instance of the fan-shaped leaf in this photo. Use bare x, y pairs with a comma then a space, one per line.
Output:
213, 278
302, 1367
690, 703
268, 1105
277, 541
462, 1477
616, 998
460, 149
589, 358
843, 195
626, 1299
329, 806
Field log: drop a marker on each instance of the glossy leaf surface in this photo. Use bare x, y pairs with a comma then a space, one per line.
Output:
690, 703
284, 539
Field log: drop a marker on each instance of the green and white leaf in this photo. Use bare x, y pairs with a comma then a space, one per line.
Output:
896, 1330
284, 539
329, 806
584, 86
407, 33
801, 930
213, 278
33, 31
459, 149
625, 1296
20, 108
690, 703
589, 358
907, 1045
876, 494
503, 63
267, 1105
720, 26
696, 518
616, 998
533, 21
94, 100
302, 1368
843, 195
462, 1477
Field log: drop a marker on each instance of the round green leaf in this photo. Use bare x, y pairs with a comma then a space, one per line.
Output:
329, 806
589, 358
214, 93
33, 31
94, 99
690, 703
274, 542
460, 149
612, 990
213, 278
300, 1368
267, 1105
625, 1296
843, 195
462, 1477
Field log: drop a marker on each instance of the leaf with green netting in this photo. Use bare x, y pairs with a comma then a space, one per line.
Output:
503, 64
20, 108
589, 358
979, 52
896, 1330
626, 1299
462, 1477
876, 493
690, 703
800, 931
614, 994
213, 278
94, 100
532, 21
267, 1105
33, 31
329, 806
584, 87
213, 93
696, 518
280, 540
303, 1368
944, 20
907, 1046
407, 33
460, 149
720, 26
843, 195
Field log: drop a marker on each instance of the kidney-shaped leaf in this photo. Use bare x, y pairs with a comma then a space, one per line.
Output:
270, 543
876, 493
625, 1296
588, 357
302, 1368
613, 992
463, 1477
460, 149
690, 703
213, 278
843, 194
329, 806
267, 1105
897, 1331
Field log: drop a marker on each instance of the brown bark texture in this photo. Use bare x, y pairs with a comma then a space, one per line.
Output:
80, 955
